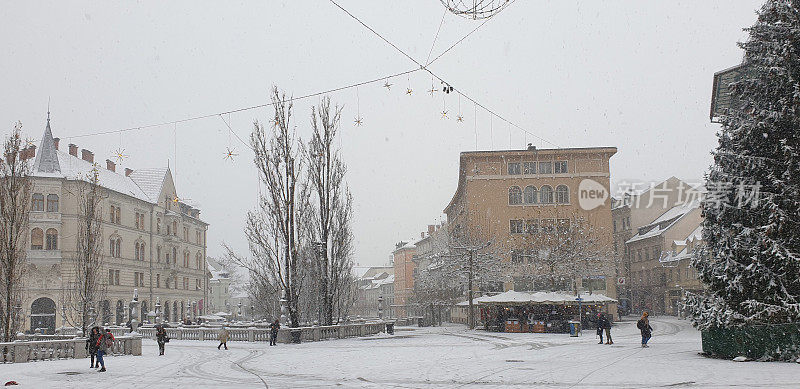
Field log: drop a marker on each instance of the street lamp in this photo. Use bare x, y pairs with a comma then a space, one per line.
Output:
380, 307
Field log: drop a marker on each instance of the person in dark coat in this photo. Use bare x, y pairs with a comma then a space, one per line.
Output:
599, 323
606, 324
91, 345
273, 332
161, 338
644, 327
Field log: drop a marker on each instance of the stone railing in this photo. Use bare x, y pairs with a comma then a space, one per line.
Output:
40, 350
254, 334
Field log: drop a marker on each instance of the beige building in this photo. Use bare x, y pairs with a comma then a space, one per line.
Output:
505, 196
681, 277
374, 289
152, 241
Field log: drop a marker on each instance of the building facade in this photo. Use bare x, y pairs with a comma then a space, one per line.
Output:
374, 291
506, 197
153, 242
404, 270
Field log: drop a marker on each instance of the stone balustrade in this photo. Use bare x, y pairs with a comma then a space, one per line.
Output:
255, 334
40, 350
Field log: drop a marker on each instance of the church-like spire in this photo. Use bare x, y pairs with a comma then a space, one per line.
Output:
47, 158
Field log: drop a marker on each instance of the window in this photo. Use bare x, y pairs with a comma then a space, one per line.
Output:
561, 166
517, 257
562, 194
517, 226
185, 283
174, 255
52, 203
158, 225
548, 226
514, 195
38, 202
198, 237
616, 248
531, 195
185, 259
639, 255
115, 245
514, 168
115, 214
532, 226
656, 252
175, 228
529, 167
615, 226
196, 284
37, 239
51, 242
158, 254
139, 221
139, 251
158, 280
546, 194
563, 226
116, 277
185, 234
169, 229
545, 168
113, 277
198, 260
646, 255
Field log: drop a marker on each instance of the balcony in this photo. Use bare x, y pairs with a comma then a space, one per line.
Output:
45, 217
44, 257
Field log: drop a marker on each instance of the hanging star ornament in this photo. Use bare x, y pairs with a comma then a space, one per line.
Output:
432, 91
387, 85
444, 114
408, 91
358, 121
230, 153
276, 121
460, 118
119, 155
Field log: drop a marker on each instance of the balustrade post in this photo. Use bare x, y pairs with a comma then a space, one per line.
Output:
251, 336
79, 350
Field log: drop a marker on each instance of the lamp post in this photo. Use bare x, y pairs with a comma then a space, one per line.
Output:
380, 307
158, 310
283, 302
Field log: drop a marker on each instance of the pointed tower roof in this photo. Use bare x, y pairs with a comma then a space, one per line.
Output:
46, 158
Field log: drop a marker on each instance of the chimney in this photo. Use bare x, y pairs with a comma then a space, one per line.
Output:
27, 153
73, 150
55, 141
422, 234
87, 156
531, 147
431, 229
128, 172
110, 165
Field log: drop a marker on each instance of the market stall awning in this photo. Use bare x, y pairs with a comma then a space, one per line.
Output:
520, 298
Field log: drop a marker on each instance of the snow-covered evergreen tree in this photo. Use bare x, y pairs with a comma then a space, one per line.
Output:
751, 263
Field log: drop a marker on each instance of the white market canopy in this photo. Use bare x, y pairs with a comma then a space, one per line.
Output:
212, 318
520, 298
222, 314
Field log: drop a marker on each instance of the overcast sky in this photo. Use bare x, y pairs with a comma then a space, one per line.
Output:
630, 74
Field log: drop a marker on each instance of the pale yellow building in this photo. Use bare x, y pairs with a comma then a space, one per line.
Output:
152, 241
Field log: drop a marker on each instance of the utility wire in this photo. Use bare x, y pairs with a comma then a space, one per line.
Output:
425, 68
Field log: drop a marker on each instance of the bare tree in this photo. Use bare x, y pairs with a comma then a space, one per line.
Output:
272, 229
15, 206
88, 286
560, 252
329, 225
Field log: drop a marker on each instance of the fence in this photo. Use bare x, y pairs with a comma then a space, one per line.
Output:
761, 342
41, 350
255, 334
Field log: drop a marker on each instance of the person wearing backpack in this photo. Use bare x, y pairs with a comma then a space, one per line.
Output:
223, 338
104, 343
161, 338
644, 327
91, 346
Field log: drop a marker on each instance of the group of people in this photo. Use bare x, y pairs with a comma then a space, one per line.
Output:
97, 344
643, 324
162, 339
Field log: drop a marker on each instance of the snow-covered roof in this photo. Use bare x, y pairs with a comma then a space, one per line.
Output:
664, 222
150, 181
514, 297
683, 249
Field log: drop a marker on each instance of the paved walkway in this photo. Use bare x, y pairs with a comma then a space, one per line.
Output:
441, 357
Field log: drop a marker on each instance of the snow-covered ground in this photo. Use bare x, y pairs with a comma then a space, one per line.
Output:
447, 357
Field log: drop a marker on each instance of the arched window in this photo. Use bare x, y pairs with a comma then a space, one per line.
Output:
115, 245
514, 195
52, 203
51, 243
175, 228
136, 250
174, 255
158, 225
38, 202
546, 194
141, 251
562, 194
199, 260
37, 239
531, 195
166, 311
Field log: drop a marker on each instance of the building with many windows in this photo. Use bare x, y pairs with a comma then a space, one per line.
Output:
507, 197
152, 241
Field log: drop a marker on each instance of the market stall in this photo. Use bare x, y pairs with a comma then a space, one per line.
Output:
514, 311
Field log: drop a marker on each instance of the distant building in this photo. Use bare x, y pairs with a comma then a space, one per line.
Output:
681, 276
373, 284
153, 242
504, 195
219, 288
404, 270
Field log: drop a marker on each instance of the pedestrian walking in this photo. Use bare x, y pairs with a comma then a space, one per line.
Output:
223, 338
91, 346
161, 338
607, 328
273, 332
644, 326
599, 322
104, 343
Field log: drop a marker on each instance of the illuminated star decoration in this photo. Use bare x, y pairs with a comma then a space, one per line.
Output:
408, 91
176, 199
444, 114
358, 121
276, 121
230, 153
432, 91
119, 155
460, 118
387, 85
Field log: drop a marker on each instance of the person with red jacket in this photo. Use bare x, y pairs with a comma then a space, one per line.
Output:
104, 342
